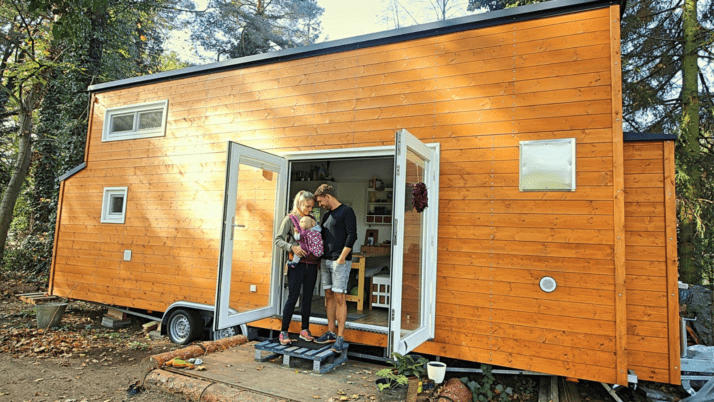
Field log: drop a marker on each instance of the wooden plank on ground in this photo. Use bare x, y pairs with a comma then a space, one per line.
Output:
34, 298
568, 391
544, 389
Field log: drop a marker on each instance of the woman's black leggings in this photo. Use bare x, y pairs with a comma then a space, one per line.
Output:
305, 276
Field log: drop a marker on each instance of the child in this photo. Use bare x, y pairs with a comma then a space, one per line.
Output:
310, 233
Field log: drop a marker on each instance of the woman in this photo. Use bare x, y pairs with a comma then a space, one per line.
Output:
304, 274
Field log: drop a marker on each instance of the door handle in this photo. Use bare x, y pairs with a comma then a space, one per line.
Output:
233, 226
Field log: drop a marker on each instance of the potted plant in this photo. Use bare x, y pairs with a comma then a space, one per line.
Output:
414, 368
391, 387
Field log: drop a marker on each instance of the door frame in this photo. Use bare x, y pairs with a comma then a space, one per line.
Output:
429, 316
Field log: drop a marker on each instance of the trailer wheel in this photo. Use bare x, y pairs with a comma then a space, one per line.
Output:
184, 326
224, 333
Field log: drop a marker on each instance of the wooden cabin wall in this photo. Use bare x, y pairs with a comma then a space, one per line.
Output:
476, 92
652, 294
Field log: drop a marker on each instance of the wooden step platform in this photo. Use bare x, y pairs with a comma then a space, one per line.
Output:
34, 298
323, 359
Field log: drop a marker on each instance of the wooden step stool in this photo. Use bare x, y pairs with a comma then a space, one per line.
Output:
318, 356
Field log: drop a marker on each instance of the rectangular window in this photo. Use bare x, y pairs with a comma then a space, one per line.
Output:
135, 121
114, 205
547, 165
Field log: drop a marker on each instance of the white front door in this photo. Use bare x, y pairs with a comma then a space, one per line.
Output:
412, 304
248, 272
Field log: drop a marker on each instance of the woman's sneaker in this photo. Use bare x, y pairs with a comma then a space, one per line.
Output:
284, 338
327, 337
305, 335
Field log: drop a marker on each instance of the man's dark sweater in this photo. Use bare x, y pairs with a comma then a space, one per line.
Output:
339, 230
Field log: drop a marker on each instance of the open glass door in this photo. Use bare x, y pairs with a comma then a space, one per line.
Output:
248, 265
413, 278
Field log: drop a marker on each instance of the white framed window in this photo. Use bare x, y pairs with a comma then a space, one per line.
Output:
114, 205
547, 165
135, 121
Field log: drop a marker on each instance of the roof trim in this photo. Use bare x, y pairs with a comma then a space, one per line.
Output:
629, 136
494, 18
72, 171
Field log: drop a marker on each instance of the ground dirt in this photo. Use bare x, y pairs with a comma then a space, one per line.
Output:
83, 361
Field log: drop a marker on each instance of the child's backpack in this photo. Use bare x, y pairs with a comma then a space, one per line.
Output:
310, 240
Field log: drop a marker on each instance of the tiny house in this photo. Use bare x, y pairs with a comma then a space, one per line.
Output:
548, 243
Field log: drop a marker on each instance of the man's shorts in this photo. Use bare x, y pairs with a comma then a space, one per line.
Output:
335, 276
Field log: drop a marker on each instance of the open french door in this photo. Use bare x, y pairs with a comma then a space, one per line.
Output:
412, 304
248, 270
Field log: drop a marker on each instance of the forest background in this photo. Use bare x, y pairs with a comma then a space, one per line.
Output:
52, 50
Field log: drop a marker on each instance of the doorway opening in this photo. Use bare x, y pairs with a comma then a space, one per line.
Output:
250, 267
366, 185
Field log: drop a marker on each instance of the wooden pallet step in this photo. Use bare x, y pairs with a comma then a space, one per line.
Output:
323, 358
34, 298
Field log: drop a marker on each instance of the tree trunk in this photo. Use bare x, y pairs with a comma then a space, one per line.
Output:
688, 270
19, 170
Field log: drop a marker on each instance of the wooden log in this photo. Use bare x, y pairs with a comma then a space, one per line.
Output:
158, 361
200, 349
195, 390
223, 344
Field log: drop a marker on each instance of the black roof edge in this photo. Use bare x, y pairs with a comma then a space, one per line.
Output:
494, 18
72, 172
632, 136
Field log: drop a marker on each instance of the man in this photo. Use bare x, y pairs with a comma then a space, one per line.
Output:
339, 234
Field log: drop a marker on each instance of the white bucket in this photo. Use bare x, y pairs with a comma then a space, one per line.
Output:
436, 371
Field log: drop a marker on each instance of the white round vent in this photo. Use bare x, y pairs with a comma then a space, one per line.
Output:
548, 284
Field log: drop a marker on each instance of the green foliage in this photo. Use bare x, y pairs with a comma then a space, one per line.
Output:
97, 40
408, 366
394, 379
486, 391
663, 86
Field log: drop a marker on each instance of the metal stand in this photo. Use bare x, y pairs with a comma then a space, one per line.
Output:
693, 369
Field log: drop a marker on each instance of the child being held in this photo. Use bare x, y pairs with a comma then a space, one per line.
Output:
310, 240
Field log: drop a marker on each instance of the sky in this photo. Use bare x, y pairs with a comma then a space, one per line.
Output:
345, 19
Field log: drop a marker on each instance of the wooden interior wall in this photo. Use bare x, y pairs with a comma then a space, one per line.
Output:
649, 336
476, 92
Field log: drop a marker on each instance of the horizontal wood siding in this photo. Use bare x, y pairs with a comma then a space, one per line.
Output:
478, 93
651, 340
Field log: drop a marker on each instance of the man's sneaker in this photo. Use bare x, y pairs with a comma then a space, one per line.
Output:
327, 337
284, 338
305, 335
339, 345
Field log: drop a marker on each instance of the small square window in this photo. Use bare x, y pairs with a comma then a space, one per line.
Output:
547, 165
135, 121
114, 205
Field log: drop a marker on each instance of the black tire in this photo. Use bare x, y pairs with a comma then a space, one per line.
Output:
184, 326
225, 333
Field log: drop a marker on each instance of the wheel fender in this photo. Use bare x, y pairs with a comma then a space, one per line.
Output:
201, 308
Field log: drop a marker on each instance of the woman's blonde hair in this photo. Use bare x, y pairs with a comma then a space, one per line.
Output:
301, 197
